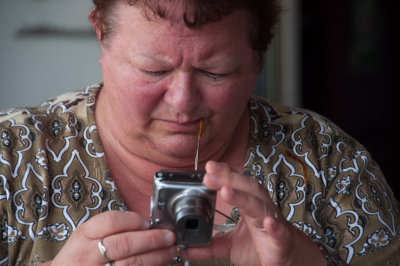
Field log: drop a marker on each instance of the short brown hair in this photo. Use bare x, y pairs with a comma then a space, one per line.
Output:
263, 13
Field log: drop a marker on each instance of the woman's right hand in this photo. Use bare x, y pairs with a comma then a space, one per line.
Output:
126, 237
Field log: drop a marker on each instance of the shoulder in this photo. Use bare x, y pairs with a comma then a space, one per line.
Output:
70, 100
322, 178
285, 133
53, 113
269, 119
265, 112
27, 132
51, 161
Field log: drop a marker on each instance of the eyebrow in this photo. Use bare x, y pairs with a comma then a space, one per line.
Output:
159, 58
224, 61
207, 63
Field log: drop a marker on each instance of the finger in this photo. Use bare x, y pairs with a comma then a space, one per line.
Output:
83, 245
129, 244
220, 174
252, 210
113, 222
252, 200
249, 206
156, 257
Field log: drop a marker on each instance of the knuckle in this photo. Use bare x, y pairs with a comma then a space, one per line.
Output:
109, 218
123, 244
155, 239
81, 233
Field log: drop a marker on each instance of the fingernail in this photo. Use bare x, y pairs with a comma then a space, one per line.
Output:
169, 237
146, 224
216, 166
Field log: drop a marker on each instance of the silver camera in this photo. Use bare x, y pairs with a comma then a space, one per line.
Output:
181, 203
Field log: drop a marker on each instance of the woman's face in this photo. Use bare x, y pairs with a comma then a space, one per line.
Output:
161, 78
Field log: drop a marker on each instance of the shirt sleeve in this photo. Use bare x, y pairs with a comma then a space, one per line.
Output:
358, 212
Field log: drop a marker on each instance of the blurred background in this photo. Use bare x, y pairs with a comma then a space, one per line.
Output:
350, 72
46, 47
338, 58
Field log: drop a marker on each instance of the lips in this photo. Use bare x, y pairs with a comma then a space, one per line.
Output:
182, 127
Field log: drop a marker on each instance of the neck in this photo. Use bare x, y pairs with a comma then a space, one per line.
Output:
133, 174
133, 177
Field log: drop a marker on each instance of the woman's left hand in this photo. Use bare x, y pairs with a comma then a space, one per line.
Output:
263, 236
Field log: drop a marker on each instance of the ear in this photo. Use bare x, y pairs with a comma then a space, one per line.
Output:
94, 21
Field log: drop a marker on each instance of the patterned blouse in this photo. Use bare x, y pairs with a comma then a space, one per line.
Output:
54, 177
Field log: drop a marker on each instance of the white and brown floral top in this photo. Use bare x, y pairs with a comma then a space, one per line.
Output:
54, 177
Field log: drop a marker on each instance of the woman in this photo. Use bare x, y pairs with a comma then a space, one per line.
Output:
166, 66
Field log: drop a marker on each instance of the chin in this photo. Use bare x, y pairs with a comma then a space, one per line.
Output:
180, 148
179, 151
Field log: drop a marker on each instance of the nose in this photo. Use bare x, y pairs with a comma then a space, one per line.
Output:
182, 93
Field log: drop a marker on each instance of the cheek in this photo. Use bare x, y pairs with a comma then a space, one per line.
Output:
228, 106
140, 99
232, 98
134, 97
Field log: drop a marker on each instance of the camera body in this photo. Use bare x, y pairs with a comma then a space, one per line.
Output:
181, 203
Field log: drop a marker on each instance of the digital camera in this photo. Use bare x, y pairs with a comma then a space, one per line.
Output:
181, 203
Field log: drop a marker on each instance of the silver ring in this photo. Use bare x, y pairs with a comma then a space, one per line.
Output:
112, 263
103, 250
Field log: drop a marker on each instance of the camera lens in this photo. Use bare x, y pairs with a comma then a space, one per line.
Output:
192, 224
192, 212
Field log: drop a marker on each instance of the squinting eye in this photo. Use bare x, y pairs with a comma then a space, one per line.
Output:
154, 73
213, 76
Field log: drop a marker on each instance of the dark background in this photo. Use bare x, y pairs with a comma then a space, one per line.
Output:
351, 72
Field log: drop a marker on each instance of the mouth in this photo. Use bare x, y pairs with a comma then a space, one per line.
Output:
186, 127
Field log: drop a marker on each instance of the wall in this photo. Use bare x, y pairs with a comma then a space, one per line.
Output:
46, 47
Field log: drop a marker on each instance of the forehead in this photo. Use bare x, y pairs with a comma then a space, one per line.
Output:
172, 41
126, 17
